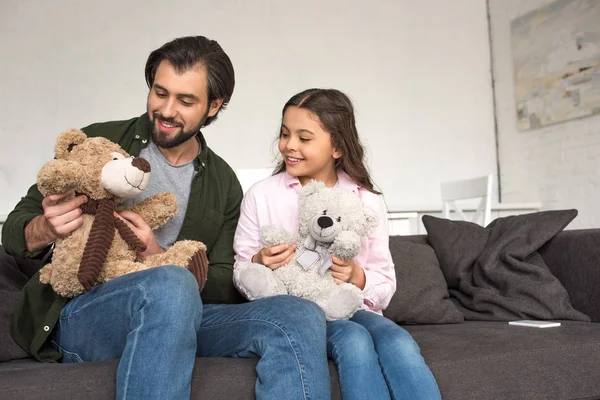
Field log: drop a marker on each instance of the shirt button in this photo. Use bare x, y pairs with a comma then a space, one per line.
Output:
204, 165
46, 328
144, 141
137, 136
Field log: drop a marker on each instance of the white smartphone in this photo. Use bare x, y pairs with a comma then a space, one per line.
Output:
535, 324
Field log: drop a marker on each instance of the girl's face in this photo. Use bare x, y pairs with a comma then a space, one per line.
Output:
306, 147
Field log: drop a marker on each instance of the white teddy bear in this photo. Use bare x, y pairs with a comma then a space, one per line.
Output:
331, 221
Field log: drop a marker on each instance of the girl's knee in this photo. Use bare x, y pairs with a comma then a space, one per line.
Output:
352, 338
402, 345
389, 337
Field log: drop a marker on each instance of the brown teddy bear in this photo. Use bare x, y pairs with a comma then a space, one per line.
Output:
104, 247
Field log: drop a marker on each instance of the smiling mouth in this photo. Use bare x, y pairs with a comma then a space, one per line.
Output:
326, 236
293, 160
168, 125
132, 185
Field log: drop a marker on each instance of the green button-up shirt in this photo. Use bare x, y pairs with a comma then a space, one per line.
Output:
211, 217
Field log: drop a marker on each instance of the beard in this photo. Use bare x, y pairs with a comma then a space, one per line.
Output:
168, 141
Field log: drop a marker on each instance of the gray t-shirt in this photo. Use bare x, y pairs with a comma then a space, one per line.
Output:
165, 177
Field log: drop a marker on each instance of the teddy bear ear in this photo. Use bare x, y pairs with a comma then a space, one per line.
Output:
67, 141
311, 188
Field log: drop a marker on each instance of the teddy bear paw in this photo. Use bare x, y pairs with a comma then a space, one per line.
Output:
346, 245
256, 281
274, 235
343, 302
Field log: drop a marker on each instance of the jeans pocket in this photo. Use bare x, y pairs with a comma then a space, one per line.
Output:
69, 357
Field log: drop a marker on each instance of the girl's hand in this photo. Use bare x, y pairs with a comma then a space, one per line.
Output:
276, 256
347, 271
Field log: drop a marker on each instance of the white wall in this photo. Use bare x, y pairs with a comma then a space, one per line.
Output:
558, 165
418, 72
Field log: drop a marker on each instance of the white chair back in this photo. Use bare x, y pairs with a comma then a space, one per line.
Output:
249, 176
476, 188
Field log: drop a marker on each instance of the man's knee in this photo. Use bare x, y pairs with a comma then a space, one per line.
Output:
292, 317
168, 277
294, 309
172, 287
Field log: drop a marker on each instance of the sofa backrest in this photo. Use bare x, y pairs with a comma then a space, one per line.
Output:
573, 256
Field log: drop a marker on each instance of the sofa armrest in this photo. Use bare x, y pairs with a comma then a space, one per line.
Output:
573, 256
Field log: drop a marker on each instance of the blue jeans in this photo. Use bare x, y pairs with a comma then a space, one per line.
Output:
154, 321
377, 359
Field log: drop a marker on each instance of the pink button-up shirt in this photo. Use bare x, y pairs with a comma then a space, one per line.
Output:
274, 201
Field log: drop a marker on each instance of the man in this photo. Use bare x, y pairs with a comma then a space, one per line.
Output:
155, 321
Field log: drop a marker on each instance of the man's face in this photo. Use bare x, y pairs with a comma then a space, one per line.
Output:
178, 104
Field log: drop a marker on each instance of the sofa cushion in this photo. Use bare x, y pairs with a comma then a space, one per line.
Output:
494, 360
421, 293
12, 279
496, 273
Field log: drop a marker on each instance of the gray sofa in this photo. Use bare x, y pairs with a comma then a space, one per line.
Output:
470, 360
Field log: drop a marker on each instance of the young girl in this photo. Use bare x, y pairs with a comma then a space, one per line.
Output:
375, 358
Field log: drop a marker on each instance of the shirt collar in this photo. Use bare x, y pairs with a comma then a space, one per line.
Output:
344, 182
201, 159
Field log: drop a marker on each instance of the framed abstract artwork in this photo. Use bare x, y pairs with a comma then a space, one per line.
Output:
556, 60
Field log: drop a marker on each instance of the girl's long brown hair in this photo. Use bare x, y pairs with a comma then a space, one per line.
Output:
336, 115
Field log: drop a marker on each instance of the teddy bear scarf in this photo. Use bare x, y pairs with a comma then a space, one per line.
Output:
100, 239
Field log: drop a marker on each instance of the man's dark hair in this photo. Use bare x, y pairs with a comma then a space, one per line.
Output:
190, 52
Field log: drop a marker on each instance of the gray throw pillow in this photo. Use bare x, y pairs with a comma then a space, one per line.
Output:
421, 295
496, 273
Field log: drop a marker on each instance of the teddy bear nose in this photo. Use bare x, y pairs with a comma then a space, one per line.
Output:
324, 222
141, 164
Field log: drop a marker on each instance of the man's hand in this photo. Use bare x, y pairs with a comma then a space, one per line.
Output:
143, 231
275, 257
347, 271
59, 220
